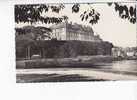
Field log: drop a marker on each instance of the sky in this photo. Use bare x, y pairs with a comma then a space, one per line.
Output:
110, 27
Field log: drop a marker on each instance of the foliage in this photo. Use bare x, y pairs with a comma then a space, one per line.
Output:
33, 13
75, 8
92, 14
33, 33
125, 12
63, 49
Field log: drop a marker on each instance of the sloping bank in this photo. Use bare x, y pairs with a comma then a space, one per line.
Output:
80, 61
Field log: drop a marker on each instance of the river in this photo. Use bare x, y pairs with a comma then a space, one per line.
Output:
117, 70
124, 65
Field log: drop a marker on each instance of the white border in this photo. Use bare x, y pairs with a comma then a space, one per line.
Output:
9, 90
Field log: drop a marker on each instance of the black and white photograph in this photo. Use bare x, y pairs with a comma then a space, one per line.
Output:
75, 42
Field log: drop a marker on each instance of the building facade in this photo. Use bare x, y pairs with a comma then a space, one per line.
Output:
69, 31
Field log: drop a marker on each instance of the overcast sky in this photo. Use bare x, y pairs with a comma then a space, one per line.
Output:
110, 27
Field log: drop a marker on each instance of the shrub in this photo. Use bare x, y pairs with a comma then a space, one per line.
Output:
65, 49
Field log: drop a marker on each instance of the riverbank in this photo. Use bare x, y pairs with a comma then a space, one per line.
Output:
79, 61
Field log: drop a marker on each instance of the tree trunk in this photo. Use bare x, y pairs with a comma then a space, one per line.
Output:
26, 53
40, 53
43, 53
29, 56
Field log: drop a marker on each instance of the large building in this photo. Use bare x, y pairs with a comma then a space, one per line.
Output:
69, 31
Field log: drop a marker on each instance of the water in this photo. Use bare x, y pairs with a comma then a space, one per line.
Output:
128, 65
117, 70
125, 65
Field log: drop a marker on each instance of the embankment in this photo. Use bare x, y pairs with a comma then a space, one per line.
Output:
80, 61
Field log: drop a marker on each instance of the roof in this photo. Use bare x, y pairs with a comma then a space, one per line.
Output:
77, 27
80, 28
60, 25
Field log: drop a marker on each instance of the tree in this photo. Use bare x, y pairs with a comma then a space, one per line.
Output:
125, 12
29, 35
33, 13
34, 33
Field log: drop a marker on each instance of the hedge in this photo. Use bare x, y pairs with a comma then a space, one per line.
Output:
64, 49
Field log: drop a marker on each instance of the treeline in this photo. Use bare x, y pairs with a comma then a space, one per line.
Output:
61, 49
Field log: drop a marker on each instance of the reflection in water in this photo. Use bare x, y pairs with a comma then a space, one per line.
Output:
125, 65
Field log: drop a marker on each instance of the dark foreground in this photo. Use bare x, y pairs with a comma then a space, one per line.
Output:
34, 78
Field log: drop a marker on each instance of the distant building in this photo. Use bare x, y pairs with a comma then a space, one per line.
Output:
118, 52
69, 31
124, 52
130, 54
